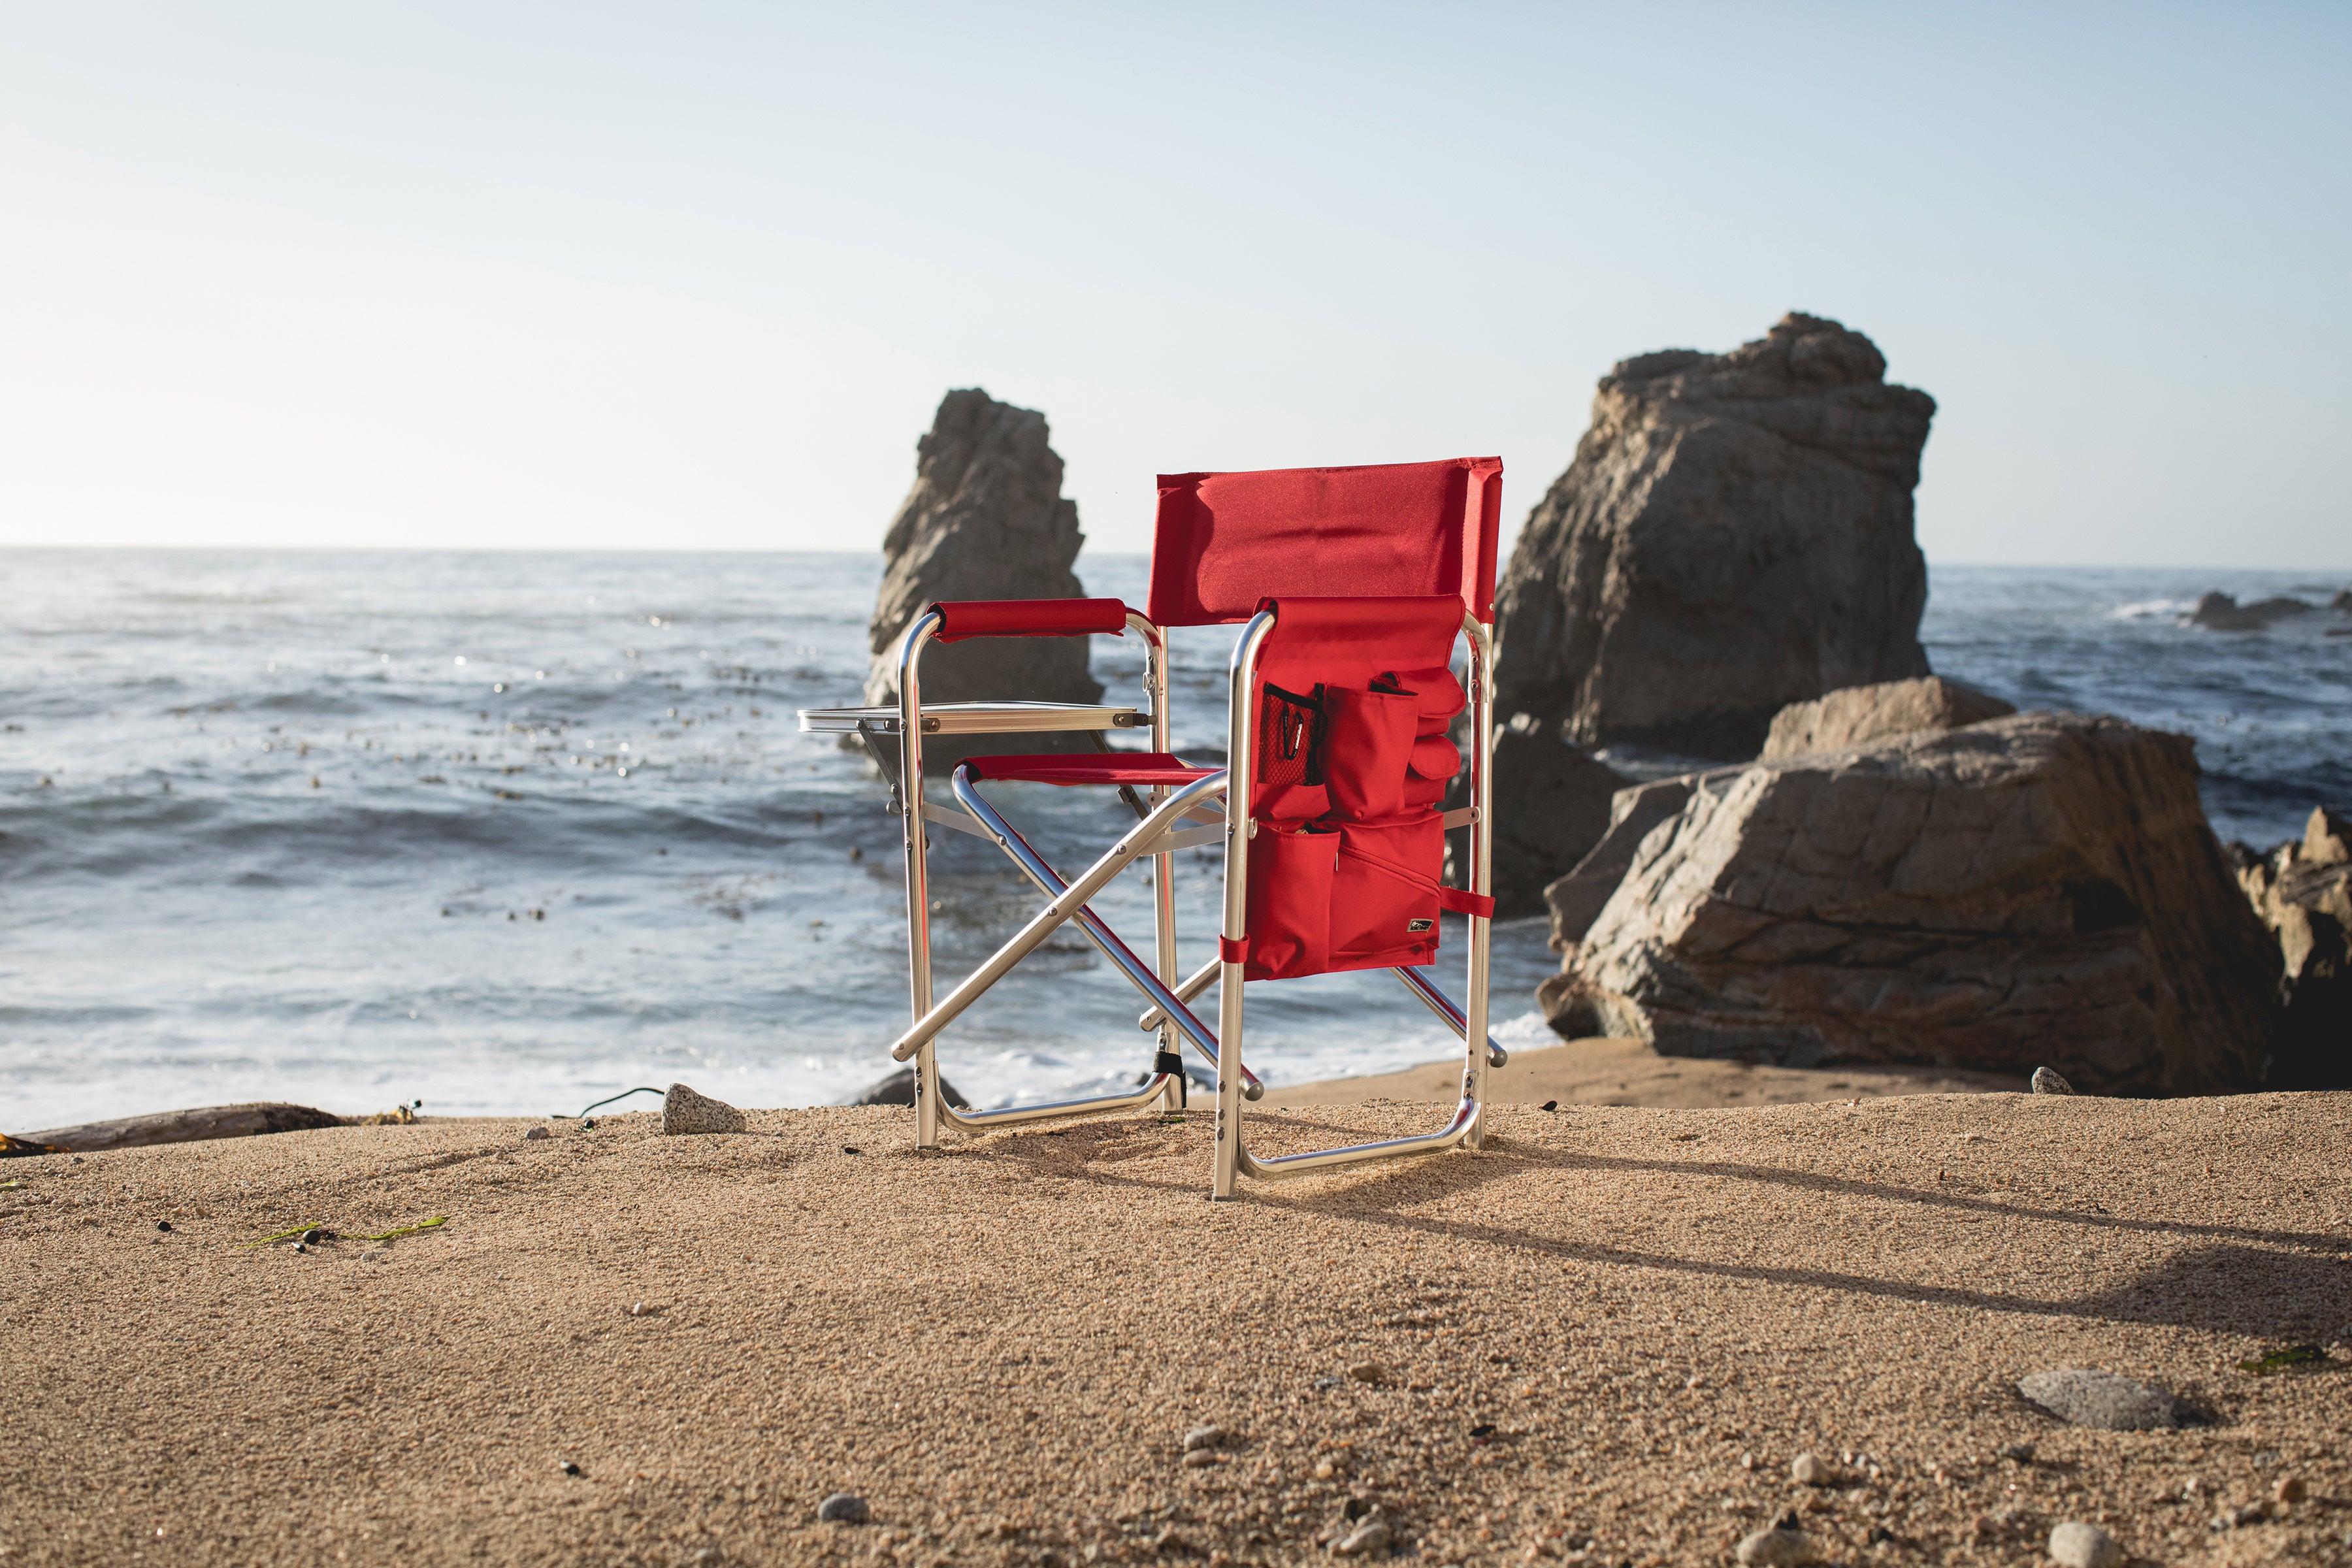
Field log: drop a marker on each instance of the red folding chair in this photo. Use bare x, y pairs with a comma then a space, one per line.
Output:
1350, 585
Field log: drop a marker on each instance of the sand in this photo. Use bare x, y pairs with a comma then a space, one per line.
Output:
1613, 1072
1602, 1340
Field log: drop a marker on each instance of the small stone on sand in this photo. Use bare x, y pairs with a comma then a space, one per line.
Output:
2074, 1544
535, 1135
2044, 1081
1200, 1459
1368, 1371
842, 1508
1811, 1469
2086, 1397
685, 1112
1371, 1537
2019, 1453
1771, 1547
2290, 1490
568, 1468
1205, 1437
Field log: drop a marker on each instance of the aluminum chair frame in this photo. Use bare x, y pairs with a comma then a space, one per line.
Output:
1156, 837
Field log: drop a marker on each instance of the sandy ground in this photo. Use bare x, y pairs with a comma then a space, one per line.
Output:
1601, 1340
1601, 1071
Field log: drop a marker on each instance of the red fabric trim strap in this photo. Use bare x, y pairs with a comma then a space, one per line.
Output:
1111, 768
961, 618
1232, 952
1463, 903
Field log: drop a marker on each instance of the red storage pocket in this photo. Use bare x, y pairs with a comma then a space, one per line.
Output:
1384, 892
1368, 745
1434, 763
1290, 875
1439, 696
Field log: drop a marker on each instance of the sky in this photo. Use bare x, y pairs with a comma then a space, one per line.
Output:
695, 275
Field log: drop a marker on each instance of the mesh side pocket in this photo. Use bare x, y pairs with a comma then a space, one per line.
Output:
1290, 737
1290, 869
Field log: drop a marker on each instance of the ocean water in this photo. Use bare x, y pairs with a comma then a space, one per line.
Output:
509, 832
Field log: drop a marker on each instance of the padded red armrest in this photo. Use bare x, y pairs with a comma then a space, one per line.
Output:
961, 618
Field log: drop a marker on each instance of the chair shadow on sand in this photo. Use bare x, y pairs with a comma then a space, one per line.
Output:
2237, 1279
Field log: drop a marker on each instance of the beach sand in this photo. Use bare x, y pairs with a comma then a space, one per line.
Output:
1607, 1335
1615, 1071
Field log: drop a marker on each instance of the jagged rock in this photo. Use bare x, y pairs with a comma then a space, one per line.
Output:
898, 1088
186, 1126
2222, 613
684, 1112
986, 519
1733, 535
2302, 893
1551, 806
1576, 898
2037, 889
1858, 715
2341, 603
2044, 1081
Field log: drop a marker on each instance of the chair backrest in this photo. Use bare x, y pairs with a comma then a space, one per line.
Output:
1221, 542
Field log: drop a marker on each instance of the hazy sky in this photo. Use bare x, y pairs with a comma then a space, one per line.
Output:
696, 275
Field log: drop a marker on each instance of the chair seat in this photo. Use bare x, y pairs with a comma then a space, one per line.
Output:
1110, 768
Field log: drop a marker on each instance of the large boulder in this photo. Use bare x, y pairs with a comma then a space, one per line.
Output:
2218, 611
986, 519
1733, 535
1551, 806
2302, 893
1861, 714
2040, 889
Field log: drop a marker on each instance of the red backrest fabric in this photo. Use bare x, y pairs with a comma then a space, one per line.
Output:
1347, 642
1220, 542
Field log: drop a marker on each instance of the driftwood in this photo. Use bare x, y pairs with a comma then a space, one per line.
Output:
185, 1127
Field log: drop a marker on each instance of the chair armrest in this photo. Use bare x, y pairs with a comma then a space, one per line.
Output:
961, 618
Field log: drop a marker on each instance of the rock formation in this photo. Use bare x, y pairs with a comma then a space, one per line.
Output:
986, 519
1577, 899
2040, 889
1551, 806
1861, 714
1733, 535
2222, 613
2302, 893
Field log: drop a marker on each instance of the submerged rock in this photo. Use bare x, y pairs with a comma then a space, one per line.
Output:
1735, 534
2041, 889
2222, 613
1858, 715
986, 519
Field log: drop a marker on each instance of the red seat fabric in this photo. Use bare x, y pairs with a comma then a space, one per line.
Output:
1111, 768
1220, 542
961, 618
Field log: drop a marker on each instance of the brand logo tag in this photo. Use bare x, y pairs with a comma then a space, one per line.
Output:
1419, 925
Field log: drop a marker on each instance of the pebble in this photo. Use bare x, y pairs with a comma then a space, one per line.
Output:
2044, 1081
2290, 1490
843, 1508
2074, 1544
162, 1225
535, 1135
685, 1112
2019, 1453
568, 1468
1768, 1548
314, 1236
1200, 1459
1371, 1536
1811, 1469
1205, 1437
1368, 1371
2086, 1397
